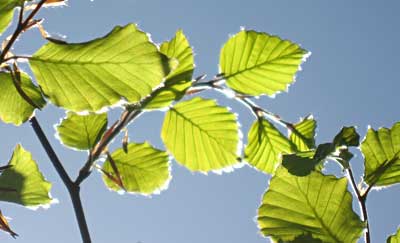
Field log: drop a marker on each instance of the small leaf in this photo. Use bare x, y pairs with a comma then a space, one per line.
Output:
82, 131
317, 204
303, 135
381, 150
255, 63
23, 183
300, 164
89, 76
13, 108
394, 238
180, 79
324, 150
5, 226
143, 169
201, 135
266, 145
348, 136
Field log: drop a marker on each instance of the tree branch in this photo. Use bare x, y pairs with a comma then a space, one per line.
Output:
362, 200
74, 190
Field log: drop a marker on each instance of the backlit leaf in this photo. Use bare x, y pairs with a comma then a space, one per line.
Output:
23, 183
89, 76
180, 79
201, 135
394, 238
7, 12
348, 136
316, 204
381, 150
265, 146
304, 134
82, 131
143, 169
13, 108
257, 63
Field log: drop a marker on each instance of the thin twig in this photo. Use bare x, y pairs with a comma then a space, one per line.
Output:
362, 199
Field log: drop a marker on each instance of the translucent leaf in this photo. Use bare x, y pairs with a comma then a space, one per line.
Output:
124, 64
180, 79
348, 136
316, 204
143, 169
7, 12
257, 63
82, 131
394, 238
265, 146
381, 150
4, 226
22, 182
304, 134
13, 108
302, 239
201, 135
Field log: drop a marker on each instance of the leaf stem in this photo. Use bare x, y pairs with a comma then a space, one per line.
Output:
362, 200
73, 189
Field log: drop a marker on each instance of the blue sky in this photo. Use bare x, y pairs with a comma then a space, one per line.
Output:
350, 79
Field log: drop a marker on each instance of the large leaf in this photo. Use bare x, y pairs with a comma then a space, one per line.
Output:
143, 169
394, 238
381, 150
22, 182
82, 131
257, 63
265, 146
92, 75
316, 204
7, 12
304, 134
201, 135
180, 79
13, 108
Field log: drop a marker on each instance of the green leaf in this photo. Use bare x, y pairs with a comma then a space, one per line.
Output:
255, 63
381, 150
265, 146
302, 239
304, 134
143, 169
7, 12
22, 182
348, 136
300, 164
394, 238
316, 204
180, 79
13, 108
82, 131
124, 64
201, 135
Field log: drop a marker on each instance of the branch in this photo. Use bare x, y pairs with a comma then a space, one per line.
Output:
20, 28
362, 199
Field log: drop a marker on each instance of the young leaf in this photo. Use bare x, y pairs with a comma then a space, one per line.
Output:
381, 150
301, 163
201, 135
304, 134
23, 183
143, 169
5, 226
7, 12
266, 145
180, 79
316, 204
394, 238
348, 136
13, 108
82, 131
255, 63
89, 76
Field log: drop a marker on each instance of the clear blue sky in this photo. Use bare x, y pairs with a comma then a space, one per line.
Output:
352, 78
